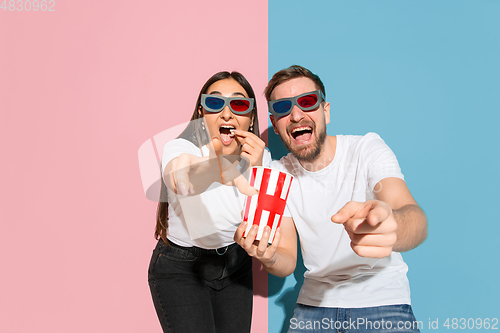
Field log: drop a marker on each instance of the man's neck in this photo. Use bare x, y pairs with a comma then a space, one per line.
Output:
324, 158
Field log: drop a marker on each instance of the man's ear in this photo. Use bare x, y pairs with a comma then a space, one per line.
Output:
327, 112
273, 121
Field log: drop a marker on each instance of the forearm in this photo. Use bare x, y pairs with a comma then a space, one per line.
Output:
283, 265
178, 169
412, 227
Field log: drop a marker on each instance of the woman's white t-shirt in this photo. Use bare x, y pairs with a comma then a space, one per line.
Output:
210, 219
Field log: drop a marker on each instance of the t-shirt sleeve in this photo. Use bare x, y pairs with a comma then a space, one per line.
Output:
279, 166
286, 212
266, 158
380, 160
176, 147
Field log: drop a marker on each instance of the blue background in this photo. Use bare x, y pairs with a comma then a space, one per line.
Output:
425, 75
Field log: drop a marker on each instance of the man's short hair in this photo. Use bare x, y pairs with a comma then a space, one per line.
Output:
292, 72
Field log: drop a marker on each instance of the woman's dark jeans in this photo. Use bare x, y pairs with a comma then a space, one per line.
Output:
197, 290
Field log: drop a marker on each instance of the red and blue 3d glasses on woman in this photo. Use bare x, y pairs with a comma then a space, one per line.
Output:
237, 105
306, 102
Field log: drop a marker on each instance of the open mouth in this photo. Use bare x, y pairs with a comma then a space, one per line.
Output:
225, 134
302, 134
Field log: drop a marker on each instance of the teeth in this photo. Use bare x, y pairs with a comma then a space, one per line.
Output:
231, 128
300, 129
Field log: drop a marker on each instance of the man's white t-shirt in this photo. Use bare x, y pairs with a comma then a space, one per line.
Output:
210, 219
336, 276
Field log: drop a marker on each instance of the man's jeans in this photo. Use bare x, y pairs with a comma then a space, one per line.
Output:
380, 319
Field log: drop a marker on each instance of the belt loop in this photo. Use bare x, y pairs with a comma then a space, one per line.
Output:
225, 250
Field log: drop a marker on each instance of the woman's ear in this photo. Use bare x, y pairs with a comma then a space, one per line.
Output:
200, 112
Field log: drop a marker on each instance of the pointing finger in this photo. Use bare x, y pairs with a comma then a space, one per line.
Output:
218, 152
244, 187
181, 174
378, 214
341, 217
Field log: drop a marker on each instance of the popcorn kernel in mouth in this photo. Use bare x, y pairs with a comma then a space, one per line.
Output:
226, 134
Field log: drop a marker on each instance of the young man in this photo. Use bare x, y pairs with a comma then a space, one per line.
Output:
353, 213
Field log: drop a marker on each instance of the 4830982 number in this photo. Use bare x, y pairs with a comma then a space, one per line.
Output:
28, 5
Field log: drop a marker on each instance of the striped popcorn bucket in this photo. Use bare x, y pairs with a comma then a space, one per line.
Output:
266, 207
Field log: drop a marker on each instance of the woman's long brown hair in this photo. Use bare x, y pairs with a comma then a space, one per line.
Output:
196, 135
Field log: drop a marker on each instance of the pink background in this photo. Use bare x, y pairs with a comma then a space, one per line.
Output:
81, 89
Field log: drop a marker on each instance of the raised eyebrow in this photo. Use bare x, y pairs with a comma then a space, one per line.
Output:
306, 93
237, 94
309, 92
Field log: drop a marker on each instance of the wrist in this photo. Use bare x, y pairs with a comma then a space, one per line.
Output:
269, 263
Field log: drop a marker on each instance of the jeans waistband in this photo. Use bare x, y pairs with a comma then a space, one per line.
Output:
201, 251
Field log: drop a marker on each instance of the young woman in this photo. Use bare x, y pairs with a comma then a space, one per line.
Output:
200, 279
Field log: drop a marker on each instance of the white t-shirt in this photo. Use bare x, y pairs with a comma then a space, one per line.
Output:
336, 276
210, 219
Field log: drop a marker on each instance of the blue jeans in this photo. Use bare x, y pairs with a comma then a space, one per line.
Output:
379, 319
198, 290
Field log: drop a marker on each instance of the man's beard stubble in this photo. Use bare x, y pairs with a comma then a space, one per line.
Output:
309, 153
